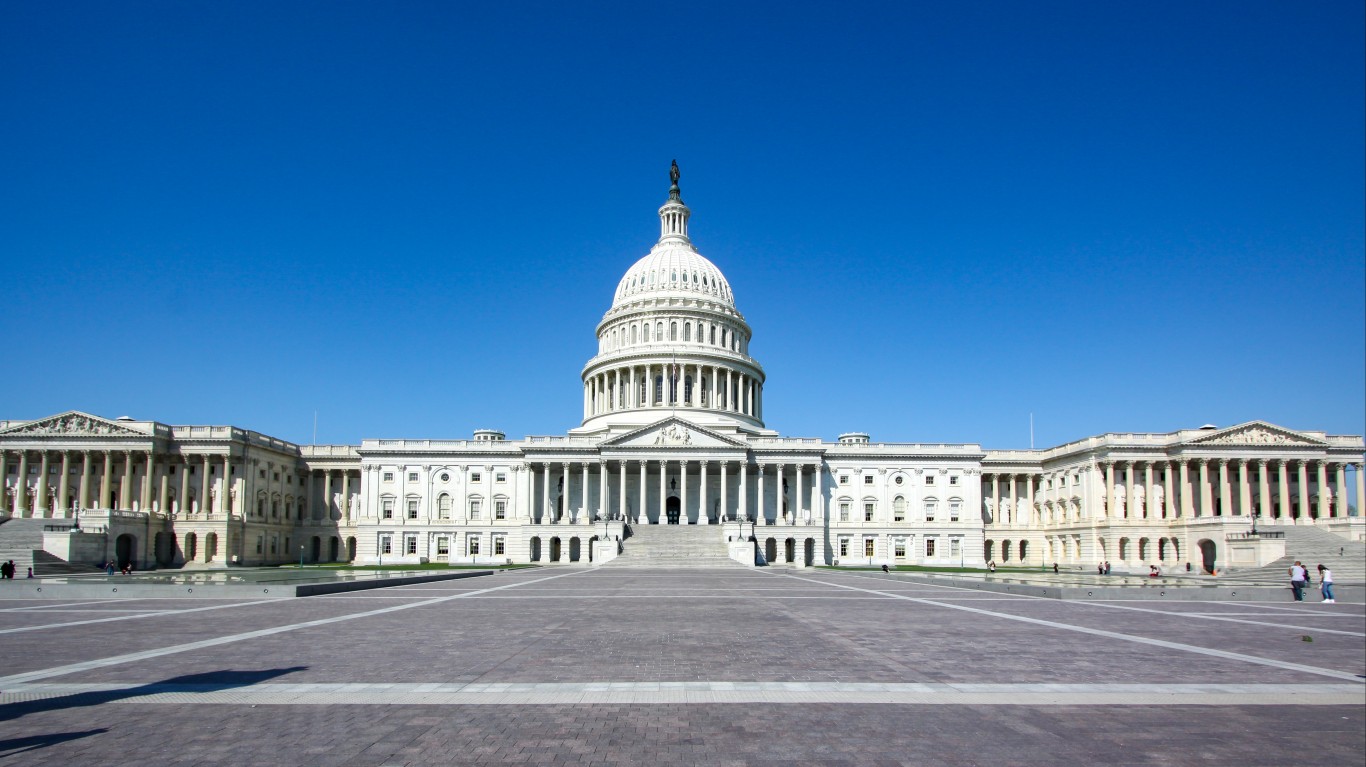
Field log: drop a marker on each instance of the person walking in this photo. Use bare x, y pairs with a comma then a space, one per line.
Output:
1326, 584
7, 570
1298, 575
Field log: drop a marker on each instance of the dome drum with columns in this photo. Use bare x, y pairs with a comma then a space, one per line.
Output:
673, 340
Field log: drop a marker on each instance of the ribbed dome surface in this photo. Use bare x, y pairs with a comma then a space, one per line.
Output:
673, 268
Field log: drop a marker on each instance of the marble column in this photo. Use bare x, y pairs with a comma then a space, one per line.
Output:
164, 491
203, 500
683, 493
725, 492
561, 503
1244, 490
818, 505
1128, 488
64, 485
324, 510
797, 511
584, 512
545, 494
40, 504
1109, 488
703, 513
1148, 511
663, 492
621, 483
1303, 467
1169, 490
642, 516
107, 481
345, 510
1225, 506
995, 499
604, 504
126, 483
760, 515
1283, 486
21, 487
225, 493
1263, 489
1206, 491
83, 490
1361, 490
1014, 518
184, 483
1323, 489
1340, 507
743, 489
1187, 492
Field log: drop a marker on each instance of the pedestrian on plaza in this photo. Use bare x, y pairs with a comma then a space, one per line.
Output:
991, 566
1055, 568
109, 567
6, 570
1297, 577
1107, 567
1326, 584
30, 572
1100, 569
1188, 567
884, 569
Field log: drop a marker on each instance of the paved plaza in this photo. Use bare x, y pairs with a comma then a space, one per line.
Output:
725, 667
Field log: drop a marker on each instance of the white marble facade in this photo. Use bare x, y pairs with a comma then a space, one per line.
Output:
673, 433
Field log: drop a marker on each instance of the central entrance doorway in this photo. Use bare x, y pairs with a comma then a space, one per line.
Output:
672, 510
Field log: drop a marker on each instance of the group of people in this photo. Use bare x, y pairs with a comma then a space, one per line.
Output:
110, 565
1103, 568
8, 569
1299, 578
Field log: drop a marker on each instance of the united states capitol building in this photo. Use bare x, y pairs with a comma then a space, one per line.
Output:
672, 435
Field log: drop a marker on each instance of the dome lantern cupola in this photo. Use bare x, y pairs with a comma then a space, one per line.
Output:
673, 215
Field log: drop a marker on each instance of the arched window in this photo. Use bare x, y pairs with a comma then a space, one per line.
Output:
931, 509
702, 382
646, 334
640, 396
713, 335
659, 331
443, 506
673, 331
723, 336
687, 389
687, 331
659, 389
898, 509
634, 334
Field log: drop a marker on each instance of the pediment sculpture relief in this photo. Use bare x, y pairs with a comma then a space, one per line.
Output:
74, 424
1257, 435
673, 434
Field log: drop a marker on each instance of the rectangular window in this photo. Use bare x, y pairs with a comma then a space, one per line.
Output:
412, 476
953, 480
475, 476
412, 509
867, 547
260, 544
499, 545
388, 476
844, 479
931, 509
844, 547
955, 508
500, 477
443, 546
955, 546
410, 545
929, 546
844, 511
388, 506
500, 509
899, 548
386, 545
868, 512
474, 545
867, 479
929, 479
475, 504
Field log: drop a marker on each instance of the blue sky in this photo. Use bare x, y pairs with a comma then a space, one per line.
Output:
937, 217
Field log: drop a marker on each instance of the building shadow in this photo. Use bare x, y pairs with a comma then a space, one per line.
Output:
16, 746
209, 681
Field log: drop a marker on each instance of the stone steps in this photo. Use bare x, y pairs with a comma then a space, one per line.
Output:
22, 541
1312, 547
674, 546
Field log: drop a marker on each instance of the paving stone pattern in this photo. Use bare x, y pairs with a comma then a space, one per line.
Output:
642, 626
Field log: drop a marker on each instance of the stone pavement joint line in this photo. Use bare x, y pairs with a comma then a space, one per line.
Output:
619, 693
146, 654
1103, 633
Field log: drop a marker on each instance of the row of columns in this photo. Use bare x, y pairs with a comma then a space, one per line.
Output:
153, 489
1182, 484
804, 507
725, 389
328, 503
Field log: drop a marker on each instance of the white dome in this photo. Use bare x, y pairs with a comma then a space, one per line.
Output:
673, 268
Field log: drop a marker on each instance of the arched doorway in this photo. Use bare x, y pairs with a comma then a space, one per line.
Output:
770, 551
1024, 551
333, 548
790, 550
1005, 551
672, 509
1207, 554
988, 549
536, 549
164, 549
810, 558
554, 549
210, 547
125, 549
351, 549
574, 549
191, 546
317, 548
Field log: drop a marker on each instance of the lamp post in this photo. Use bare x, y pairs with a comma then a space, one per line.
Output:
301, 555
1255, 513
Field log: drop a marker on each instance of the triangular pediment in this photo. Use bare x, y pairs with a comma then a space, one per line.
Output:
1258, 434
72, 423
674, 432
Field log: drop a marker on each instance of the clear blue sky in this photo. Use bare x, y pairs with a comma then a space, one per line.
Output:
937, 217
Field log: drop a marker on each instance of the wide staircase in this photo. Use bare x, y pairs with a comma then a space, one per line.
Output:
1312, 547
22, 541
690, 546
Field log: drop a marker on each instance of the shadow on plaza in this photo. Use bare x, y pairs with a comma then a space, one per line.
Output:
17, 746
209, 681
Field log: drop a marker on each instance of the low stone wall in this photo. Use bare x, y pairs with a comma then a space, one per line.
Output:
86, 587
